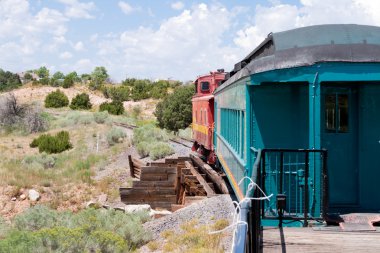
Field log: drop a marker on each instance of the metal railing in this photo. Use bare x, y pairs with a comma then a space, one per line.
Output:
298, 174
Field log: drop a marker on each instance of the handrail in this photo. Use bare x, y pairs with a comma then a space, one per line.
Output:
305, 217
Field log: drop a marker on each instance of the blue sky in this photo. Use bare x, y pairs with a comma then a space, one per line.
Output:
155, 39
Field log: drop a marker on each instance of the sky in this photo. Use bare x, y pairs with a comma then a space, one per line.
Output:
155, 39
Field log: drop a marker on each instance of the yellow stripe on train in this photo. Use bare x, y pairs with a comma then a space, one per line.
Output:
200, 128
235, 185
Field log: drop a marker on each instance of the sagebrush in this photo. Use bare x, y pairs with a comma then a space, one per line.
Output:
40, 229
52, 144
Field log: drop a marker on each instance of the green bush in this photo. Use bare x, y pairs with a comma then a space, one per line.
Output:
160, 150
36, 218
101, 117
119, 93
56, 99
149, 133
150, 141
9, 81
115, 107
40, 229
143, 148
68, 82
114, 135
52, 144
39, 161
175, 111
81, 102
75, 118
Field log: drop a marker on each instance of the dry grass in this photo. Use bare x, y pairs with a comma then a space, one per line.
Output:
66, 179
192, 238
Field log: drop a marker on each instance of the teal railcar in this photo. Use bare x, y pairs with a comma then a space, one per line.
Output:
299, 95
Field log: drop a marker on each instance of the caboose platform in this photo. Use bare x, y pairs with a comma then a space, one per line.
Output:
323, 239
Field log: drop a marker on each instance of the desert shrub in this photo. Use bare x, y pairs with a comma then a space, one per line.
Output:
52, 144
143, 148
149, 133
101, 117
150, 141
81, 102
4, 227
40, 229
36, 218
56, 99
175, 111
21, 241
115, 135
11, 111
160, 150
114, 107
68, 82
118, 93
75, 118
35, 120
39, 161
14, 115
136, 111
9, 81
186, 133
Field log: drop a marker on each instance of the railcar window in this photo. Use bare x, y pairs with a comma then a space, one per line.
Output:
232, 128
205, 86
343, 113
337, 113
330, 106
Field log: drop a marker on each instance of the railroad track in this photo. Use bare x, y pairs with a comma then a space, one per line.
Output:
178, 140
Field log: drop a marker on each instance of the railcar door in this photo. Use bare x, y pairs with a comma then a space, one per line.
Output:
339, 135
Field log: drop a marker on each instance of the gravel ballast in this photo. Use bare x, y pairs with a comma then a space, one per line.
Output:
206, 211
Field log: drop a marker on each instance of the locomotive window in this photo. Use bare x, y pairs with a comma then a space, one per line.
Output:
205, 86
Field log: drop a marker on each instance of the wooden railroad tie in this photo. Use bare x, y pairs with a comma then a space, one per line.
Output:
171, 184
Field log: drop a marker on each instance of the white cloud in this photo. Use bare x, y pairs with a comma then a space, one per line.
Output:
280, 17
26, 36
177, 5
125, 7
79, 46
94, 37
83, 66
65, 55
182, 46
77, 9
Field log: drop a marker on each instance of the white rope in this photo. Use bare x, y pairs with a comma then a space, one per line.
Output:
236, 220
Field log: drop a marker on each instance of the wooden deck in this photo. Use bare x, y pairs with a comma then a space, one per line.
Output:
289, 240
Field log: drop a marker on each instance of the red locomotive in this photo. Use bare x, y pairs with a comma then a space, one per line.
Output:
203, 114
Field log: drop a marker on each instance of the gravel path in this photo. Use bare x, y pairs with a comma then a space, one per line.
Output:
206, 211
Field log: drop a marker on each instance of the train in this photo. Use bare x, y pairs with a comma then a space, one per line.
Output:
299, 116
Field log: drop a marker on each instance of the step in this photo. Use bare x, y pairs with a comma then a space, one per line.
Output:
158, 170
137, 198
154, 177
160, 191
152, 184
